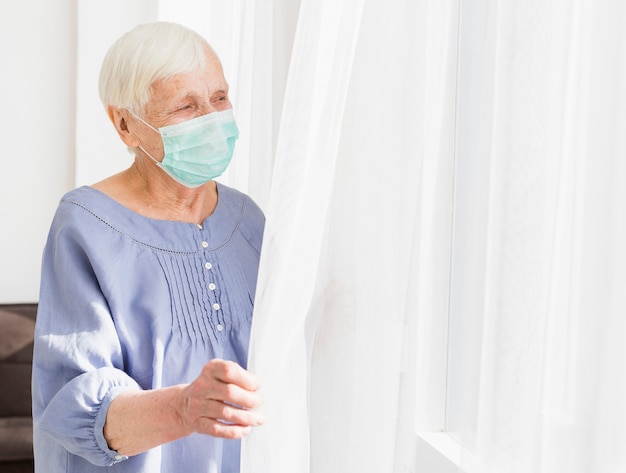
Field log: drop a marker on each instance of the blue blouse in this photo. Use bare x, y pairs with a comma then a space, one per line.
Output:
131, 302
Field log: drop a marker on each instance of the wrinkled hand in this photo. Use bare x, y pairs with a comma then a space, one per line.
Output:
220, 401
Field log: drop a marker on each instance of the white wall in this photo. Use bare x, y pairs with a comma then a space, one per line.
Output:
41, 158
37, 121
99, 151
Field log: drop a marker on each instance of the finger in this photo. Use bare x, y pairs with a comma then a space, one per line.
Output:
218, 429
230, 372
229, 414
206, 388
238, 396
199, 403
223, 420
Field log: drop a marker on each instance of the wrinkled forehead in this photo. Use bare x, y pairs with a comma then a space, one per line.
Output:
207, 77
206, 84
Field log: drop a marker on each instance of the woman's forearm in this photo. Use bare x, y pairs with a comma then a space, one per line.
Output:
140, 420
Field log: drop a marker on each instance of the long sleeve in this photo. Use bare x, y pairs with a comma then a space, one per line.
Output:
78, 361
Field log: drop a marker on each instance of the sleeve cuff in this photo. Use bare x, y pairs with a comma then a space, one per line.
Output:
101, 420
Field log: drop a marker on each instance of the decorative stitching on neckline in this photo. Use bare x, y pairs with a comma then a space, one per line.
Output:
143, 243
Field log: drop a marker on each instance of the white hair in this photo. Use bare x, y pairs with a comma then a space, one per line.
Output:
146, 54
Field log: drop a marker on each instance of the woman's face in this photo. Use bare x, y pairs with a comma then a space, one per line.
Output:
182, 98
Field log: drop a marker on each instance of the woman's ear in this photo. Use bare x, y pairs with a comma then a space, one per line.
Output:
119, 117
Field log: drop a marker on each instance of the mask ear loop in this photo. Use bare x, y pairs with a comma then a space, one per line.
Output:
149, 155
142, 121
149, 126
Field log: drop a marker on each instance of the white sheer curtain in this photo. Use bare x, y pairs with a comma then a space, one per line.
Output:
532, 380
536, 382
366, 134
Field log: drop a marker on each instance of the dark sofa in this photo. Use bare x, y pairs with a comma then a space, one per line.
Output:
17, 325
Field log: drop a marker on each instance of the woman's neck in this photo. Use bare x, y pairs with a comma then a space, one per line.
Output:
154, 194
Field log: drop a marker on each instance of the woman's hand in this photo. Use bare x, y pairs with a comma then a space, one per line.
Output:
220, 400
217, 403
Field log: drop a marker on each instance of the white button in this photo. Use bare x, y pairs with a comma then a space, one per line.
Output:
219, 327
212, 286
119, 457
216, 306
208, 265
199, 226
205, 244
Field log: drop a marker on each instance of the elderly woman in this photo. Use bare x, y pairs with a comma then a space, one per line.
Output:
148, 280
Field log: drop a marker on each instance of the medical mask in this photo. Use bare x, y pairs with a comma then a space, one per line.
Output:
197, 150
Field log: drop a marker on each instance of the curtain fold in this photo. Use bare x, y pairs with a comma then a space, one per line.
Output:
368, 119
296, 226
534, 367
